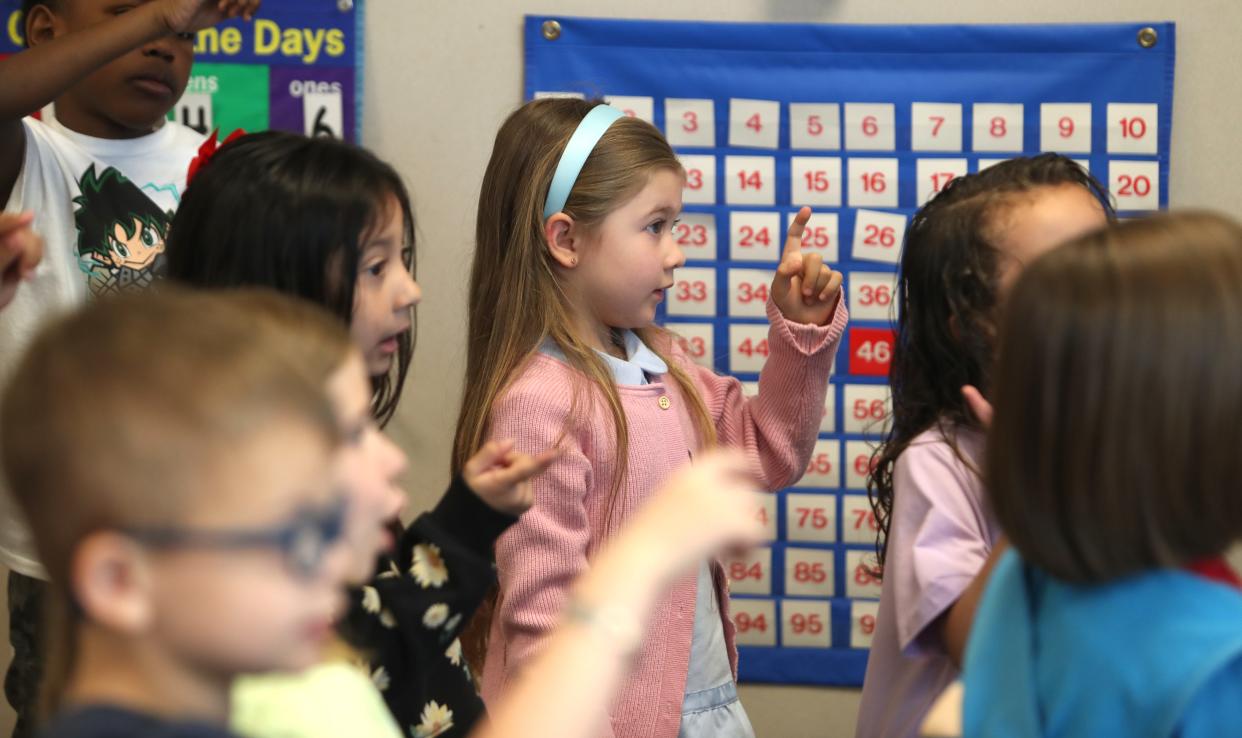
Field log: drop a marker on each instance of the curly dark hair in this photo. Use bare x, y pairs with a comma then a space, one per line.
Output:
947, 296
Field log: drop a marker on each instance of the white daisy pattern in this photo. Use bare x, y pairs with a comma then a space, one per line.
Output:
435, 615
455, 657
380, 679
428, 568
412, 610
435, 720
371, 600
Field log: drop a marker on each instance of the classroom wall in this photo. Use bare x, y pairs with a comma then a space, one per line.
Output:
434, 115
442, 74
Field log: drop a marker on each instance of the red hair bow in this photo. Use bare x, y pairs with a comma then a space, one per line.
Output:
208, 150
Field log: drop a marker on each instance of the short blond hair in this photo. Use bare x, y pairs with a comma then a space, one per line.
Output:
117, 409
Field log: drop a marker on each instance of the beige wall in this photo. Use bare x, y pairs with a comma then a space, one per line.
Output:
442, 74
434, 116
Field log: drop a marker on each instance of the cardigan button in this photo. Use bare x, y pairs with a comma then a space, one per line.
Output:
664, 402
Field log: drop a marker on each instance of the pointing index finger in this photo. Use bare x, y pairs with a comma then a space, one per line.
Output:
793, 240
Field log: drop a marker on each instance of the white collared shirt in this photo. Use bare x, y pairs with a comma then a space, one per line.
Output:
640, 364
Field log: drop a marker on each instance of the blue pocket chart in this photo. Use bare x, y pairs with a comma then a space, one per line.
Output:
863, 124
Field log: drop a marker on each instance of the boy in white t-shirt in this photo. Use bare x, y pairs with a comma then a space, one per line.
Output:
103, 175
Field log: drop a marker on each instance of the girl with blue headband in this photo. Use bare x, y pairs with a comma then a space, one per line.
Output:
575, 249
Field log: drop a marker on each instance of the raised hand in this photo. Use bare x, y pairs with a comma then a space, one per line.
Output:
189, 16
978, 405
804, 289
501, 476
20, 252
702, 510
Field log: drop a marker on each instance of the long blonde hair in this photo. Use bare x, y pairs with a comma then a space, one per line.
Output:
516, 299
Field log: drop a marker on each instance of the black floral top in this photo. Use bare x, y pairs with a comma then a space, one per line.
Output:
406, 621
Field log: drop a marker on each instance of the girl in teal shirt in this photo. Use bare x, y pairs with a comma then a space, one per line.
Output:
1113, 467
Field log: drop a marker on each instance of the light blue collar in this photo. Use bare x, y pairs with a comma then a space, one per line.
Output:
640, 362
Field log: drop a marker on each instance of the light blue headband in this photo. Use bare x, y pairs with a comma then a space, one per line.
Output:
580, 146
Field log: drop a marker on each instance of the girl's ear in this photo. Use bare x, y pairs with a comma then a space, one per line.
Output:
955, 328
563, 245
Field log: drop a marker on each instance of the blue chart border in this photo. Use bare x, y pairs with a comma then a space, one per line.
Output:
1028, 64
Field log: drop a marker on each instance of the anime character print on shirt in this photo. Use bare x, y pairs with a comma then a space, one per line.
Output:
121, 232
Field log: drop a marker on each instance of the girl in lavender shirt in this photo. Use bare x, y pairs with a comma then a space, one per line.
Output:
938, 539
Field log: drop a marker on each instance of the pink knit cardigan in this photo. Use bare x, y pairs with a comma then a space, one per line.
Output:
540, 556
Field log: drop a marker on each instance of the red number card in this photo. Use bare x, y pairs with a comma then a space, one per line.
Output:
871, 351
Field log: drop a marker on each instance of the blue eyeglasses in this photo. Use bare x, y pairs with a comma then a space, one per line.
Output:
303, 541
